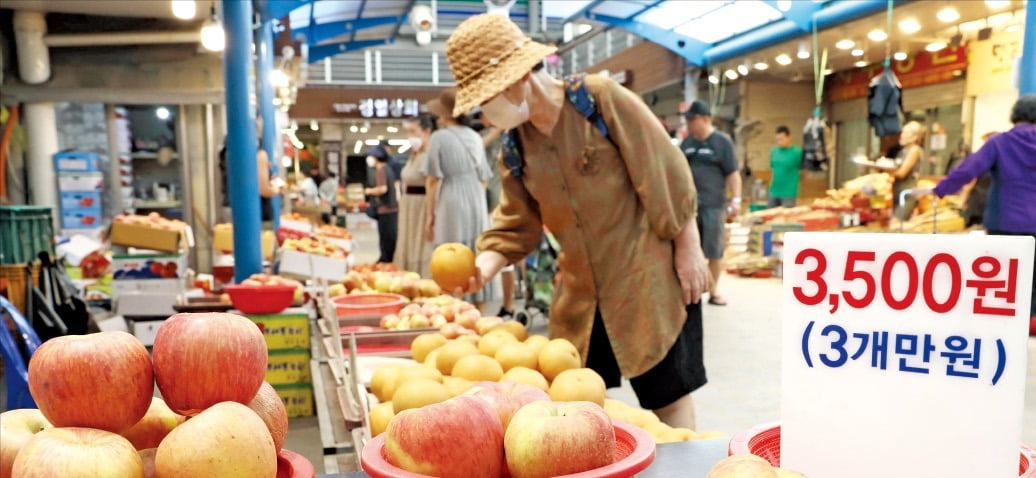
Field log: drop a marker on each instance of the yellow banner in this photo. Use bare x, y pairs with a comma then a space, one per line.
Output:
991, 63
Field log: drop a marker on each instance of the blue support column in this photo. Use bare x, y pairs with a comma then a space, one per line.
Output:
271, 140
1027, 65
243, 177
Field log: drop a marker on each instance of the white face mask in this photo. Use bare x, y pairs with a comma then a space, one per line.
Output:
416, 142
371, 161
504, 114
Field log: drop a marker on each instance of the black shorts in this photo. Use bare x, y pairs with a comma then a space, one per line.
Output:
682, 371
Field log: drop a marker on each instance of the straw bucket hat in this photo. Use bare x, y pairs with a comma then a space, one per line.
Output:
487, 54
443, 105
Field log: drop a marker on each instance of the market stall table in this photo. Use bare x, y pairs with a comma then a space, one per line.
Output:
688, 459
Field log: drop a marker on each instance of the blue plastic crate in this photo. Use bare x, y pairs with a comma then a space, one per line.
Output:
80, 199
81, 217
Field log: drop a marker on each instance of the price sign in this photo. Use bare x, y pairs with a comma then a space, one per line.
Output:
904, 355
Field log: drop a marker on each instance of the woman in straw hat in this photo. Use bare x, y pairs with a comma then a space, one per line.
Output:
455, 172
622, 207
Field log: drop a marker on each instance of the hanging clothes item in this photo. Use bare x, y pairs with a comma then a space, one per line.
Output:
814, 145
885, 103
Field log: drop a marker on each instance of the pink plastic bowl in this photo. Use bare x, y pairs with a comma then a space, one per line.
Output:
634, 451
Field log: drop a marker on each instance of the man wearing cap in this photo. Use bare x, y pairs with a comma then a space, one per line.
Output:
711, 155
622, 207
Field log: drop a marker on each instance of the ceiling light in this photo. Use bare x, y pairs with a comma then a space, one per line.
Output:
828, 71
1013, 28
845, 44
860, 63
730, 74
948, 15
997, 4
353, 129
877, 34
742, 69
212, 36
803, 51
1000, 18
294, 126
313, 125
714, 79
910, 25
935, 46
372, 142
162, 113
278, 78
899, 56
392, 129
286, 161
185, 9
783, 59
358, 147
363, 130
857, 52
761, 66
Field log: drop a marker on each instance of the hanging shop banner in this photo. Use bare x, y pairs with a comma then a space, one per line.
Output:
991, 63
920, 69
904, 355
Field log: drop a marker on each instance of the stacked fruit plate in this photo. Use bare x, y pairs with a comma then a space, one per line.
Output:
97, 415
265, 294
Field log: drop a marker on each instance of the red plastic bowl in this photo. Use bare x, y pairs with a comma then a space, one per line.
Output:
634, 451
368, 305
260, 299
293, 465
764, 441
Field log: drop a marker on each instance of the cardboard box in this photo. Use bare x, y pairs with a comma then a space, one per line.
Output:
149, 266
145, 330
296, 225
297, 398
286, 330
144, 237
304, 266
285, 367
223, 240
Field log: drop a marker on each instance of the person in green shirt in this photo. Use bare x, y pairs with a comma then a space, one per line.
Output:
785, 160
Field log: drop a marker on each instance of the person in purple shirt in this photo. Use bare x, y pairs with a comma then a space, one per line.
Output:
1011, 159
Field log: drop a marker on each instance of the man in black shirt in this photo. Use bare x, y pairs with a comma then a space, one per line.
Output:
711, 157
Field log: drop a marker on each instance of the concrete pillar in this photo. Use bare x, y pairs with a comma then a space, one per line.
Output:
1027, 64
243, 180
41, 129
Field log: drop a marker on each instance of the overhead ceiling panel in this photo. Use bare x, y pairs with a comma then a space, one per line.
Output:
729, 20
672, 13
563, 8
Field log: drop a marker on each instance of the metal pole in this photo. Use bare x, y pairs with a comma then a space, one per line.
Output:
269, 111
1027, 65
243, 180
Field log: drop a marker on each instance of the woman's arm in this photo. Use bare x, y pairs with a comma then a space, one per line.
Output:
908, 164
431, 186
380, 184
266, 189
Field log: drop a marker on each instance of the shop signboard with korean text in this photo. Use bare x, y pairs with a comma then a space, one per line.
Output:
904, 355
920, 69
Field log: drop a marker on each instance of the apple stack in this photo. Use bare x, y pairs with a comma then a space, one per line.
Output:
454, 317
380, 278
97, 415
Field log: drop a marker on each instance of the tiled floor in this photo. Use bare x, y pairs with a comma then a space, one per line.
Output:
742, 354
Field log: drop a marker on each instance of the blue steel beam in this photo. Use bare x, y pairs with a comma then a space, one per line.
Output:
406, 12
359, 15
690, 49
316, 33
645, 9
800, 13
268, 111
243, 176
270, 9
833, 13
1027, 64
319, 52
583, 11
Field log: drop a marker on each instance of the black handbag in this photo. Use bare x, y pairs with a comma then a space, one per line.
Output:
69, 306
38, 309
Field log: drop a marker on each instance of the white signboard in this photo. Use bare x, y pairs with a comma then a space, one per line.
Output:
904, 356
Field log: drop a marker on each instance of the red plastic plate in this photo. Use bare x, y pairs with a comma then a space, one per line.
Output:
293, 465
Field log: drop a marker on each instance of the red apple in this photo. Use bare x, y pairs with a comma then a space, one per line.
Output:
16, 428
156, 424
227, 440
77, 453
389, 322
467, 319
415, 440
558, 438
102, 380
204, 359
506, 397
268, 405
451, 330
452, 265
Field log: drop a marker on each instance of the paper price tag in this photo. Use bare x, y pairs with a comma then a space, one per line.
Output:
904, 355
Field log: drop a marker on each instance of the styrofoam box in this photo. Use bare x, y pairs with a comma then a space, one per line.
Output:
304, 265
132, 286
81, 217
146, 304
77, 199
74, 161
303, 226
145, 330
80, 181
